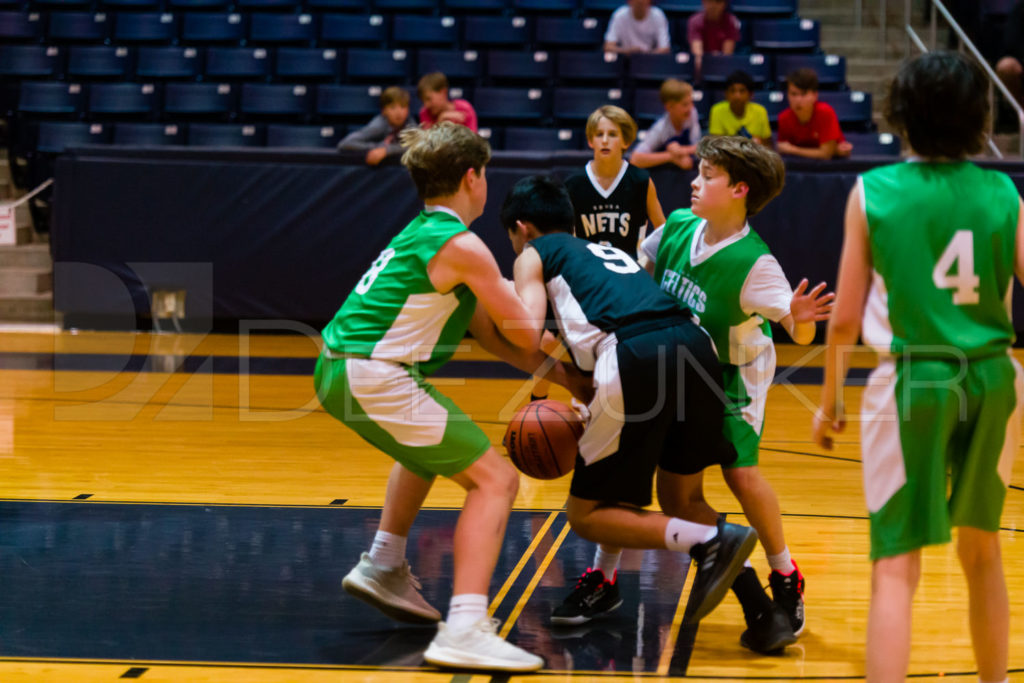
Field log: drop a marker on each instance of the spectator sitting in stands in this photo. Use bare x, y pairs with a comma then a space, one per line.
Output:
433, 91
380, 136
712, 31
673, 138
1011, 66
737, 115
637, 27
809, 128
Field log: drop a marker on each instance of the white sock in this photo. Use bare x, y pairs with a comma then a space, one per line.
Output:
746, 563
681, 535
782, 562
607, 562
465, 610
388, 550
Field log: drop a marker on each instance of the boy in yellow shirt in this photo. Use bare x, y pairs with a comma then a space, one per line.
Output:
737, 115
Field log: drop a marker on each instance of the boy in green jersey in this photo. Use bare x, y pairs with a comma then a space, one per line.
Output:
940, 416
405, 318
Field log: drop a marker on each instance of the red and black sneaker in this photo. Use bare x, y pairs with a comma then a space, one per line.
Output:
788, 592
593, 596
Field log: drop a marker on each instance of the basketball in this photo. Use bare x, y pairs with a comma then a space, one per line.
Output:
542, 439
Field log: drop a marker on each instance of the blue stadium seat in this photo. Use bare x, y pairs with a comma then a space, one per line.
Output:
47, 97
78, 27
207, 100
520, 139
457, 65
475, 6
351, 102
225, 135
20, 26
831, 69
547, 6
786, 34
148, 134
647, 106
284, 135
511, 32
403, 6
512, 104
384, 66
60, 5
339, 5
853, 108
574, 105
117, 5
168, 62
196, 5
774, 101
202, 27
517, 65
653, 69
763, 8
145, 27
680, 8
602, 6
256, 5
567, 32
99, 61
122, 99
56, 136
589, 65
307, 63
874, 144
276, 29
278, 100
716, 68
356, 29
30, 61
237, 62
420, 30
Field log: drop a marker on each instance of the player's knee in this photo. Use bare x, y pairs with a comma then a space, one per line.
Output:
977, 549
742, 481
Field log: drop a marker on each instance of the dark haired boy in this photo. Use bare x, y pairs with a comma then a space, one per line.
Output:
380, 137
642, 348
809, 128
930, 295
737, 115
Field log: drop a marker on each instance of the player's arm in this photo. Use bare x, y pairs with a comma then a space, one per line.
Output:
844, 327
1019, 266
654, 213
825, 150
465, 259
528, 273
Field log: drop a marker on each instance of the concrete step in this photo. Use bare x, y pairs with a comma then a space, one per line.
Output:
14, 281
28, 308
34, 256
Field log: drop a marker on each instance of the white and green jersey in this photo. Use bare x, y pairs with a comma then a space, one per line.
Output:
395, 313
943, 244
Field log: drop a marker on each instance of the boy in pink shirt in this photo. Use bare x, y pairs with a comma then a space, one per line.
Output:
433, 91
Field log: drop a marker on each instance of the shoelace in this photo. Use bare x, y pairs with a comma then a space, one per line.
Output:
406, 571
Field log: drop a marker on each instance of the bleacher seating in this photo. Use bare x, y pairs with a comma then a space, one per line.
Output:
98, 61
148, 134
30, 61
874, 144
831, 69
716, 68
285, 135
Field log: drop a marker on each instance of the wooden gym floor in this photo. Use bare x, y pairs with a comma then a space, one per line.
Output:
178, 508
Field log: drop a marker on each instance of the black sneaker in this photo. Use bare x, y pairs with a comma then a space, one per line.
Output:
769, 633
718, 562
594, 596
788, 591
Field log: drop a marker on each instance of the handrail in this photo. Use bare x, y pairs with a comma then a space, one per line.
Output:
939, 8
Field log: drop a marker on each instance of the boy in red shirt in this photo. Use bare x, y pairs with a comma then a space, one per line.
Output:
809, 128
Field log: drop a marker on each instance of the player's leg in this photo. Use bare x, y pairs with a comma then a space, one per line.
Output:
893, 582
982, 563
596, 593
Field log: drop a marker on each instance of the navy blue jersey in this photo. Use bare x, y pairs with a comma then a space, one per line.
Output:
594, 290
616, 216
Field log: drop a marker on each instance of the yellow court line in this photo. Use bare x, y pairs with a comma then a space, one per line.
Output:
510, 622
677, 621
500, 595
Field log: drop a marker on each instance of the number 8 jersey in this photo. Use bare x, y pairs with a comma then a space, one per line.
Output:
944, 262
594, 290
394, 313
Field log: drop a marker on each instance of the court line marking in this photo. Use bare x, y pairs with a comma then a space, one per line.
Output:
514, 574
677, 622
537, 575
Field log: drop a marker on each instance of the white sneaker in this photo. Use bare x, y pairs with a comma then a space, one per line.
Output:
478, 647
395, 592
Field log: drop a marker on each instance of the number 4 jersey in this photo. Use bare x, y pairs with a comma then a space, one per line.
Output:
394, 313
944, 262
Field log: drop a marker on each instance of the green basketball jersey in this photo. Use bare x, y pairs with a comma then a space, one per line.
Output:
942, 239
716, 275
394, 313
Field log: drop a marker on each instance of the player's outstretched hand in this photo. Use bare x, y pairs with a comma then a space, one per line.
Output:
812, 306
824, 426
580, 384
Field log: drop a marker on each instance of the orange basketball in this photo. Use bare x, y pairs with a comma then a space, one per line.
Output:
542, 439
